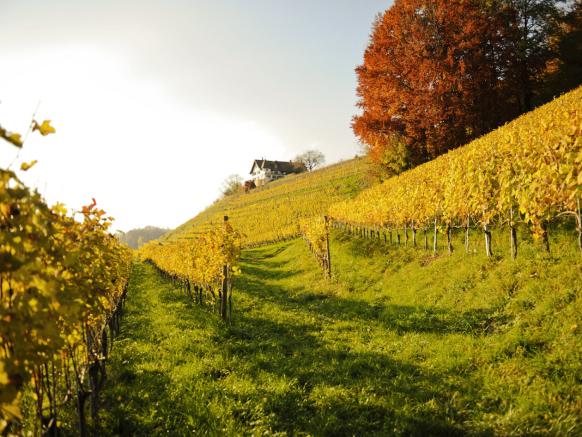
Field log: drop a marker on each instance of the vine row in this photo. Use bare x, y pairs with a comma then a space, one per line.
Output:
529, 171
62, 286
202, 266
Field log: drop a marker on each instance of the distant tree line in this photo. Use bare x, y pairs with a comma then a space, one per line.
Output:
138, 237
436, 74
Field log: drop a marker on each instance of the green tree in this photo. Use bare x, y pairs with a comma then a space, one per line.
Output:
564, 72
537, 25
232, 185
311, 159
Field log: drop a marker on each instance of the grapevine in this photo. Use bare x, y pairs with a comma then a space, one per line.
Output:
315, 232
203, 265
62, 280
272, 213
528, 171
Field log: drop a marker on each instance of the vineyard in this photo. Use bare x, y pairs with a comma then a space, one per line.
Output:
201, 255
203, 265
399, 342
528, 172
273, 212
405, 258
63, 280
391, 338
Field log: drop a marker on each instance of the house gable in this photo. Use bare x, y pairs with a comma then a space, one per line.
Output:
255, 164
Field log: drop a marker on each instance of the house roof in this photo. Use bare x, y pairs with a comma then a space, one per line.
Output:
282, 166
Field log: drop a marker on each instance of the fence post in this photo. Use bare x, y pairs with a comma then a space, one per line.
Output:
224, 293
579, 223
435, 238
513, 235
487, 233
327, 247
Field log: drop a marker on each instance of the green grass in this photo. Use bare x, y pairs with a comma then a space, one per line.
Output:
398, 343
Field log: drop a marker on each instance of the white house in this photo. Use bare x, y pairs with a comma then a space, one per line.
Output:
264, 171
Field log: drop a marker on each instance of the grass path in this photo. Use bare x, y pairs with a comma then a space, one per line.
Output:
308, 357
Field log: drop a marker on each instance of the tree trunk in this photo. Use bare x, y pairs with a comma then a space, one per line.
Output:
449, 240
405, 235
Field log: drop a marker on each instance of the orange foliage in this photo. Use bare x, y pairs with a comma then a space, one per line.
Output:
435, 73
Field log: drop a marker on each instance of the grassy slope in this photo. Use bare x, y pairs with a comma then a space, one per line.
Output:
271, 211
398, 343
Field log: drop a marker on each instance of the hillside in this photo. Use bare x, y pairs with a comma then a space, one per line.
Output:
271, 212
399, 343
429, 288
404, 338
528, 171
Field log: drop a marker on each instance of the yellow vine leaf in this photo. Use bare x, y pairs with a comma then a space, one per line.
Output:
15, 139
25, 166
45, 128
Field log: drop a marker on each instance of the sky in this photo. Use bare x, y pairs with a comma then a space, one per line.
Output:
156, 102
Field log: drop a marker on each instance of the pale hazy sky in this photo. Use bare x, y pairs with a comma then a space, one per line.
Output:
156, 102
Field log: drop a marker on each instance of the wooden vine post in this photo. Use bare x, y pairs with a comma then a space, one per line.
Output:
435, 238
413, 228
487, 233
328, 252
513, 235
545, 237
467, 234
224, 290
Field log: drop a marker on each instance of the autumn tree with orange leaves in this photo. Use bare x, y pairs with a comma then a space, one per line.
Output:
435, 75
